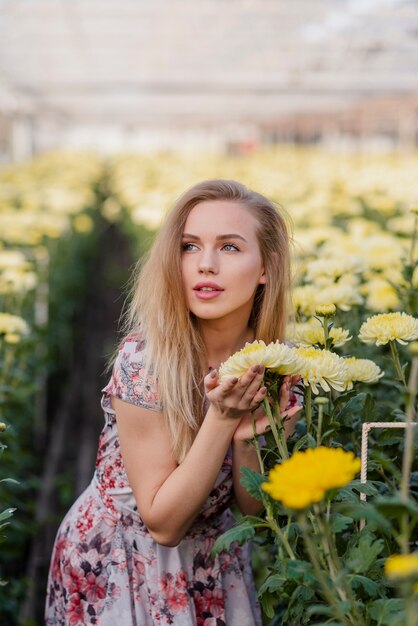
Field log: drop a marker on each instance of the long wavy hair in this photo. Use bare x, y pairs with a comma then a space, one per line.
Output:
159, 312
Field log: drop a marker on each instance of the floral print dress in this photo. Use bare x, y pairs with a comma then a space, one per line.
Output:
106, 568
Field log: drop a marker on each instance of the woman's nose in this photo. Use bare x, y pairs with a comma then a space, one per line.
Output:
208, 262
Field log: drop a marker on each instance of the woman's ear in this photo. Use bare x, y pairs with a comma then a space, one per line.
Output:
263, 277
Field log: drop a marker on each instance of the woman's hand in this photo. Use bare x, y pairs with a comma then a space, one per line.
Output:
289, 415
234, 398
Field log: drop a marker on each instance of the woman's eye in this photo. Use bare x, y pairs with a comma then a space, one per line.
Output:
187, 247
230, 247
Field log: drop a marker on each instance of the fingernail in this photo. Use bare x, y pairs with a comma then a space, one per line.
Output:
261, 369
234, 380
213, 373
255, 369
263, 389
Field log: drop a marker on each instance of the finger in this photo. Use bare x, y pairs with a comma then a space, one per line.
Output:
295, 379
250, 382
211, 380
259, 396
284, 394
227, 385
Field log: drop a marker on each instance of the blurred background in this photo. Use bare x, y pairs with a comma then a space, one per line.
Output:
184, 74
109, 109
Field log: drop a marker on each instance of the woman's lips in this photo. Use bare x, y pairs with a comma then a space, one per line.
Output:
207, 291
207, 295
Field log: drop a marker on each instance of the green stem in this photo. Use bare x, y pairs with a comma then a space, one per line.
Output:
319, 429
397, 363
280, 425
327, 590
411, 610
308, 408
273, 426
334, 565
326, 334
277, 530
409, 430
256, 446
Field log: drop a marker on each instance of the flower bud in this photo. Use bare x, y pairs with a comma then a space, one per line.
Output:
325, 310
2, 427
321, 400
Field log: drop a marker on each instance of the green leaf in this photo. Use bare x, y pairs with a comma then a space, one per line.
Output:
395, 507
306, 439
6, 514
252, 482
340, 522
239, 533
361, 557
301, 571
368, 584
387, 611
272, 583
268, 603
296, 608
364, 510
319, 609
358, 407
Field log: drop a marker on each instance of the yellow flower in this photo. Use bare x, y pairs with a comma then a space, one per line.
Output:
12, 338
402, 565
323, 368
385, 327
275, 356
333, 267
2, 427
306, 477
381, 296
325, 310
361, 370
83, 223
312, 332
304, 299
11, 324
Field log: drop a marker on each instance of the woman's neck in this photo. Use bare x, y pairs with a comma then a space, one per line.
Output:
222, 342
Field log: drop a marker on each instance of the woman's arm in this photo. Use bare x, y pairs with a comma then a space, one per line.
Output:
169, 495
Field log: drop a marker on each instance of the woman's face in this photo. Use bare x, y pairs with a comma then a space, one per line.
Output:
221, 261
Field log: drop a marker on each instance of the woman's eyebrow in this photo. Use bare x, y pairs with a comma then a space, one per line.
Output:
218, 238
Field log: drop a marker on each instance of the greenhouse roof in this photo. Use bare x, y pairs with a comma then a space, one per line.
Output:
152, 59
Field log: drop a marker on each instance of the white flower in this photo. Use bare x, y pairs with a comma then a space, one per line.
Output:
275, 356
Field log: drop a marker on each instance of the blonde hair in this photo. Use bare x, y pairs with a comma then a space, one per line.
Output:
158, 309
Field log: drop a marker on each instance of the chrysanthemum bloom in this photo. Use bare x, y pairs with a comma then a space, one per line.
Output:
323, 368
325, 310
362, 371
275, 356
402, 565
306, 477
12, 324
380, 295
384, 327
312, 332
333, 267
342, 295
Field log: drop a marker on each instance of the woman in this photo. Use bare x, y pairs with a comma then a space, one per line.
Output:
135, 548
